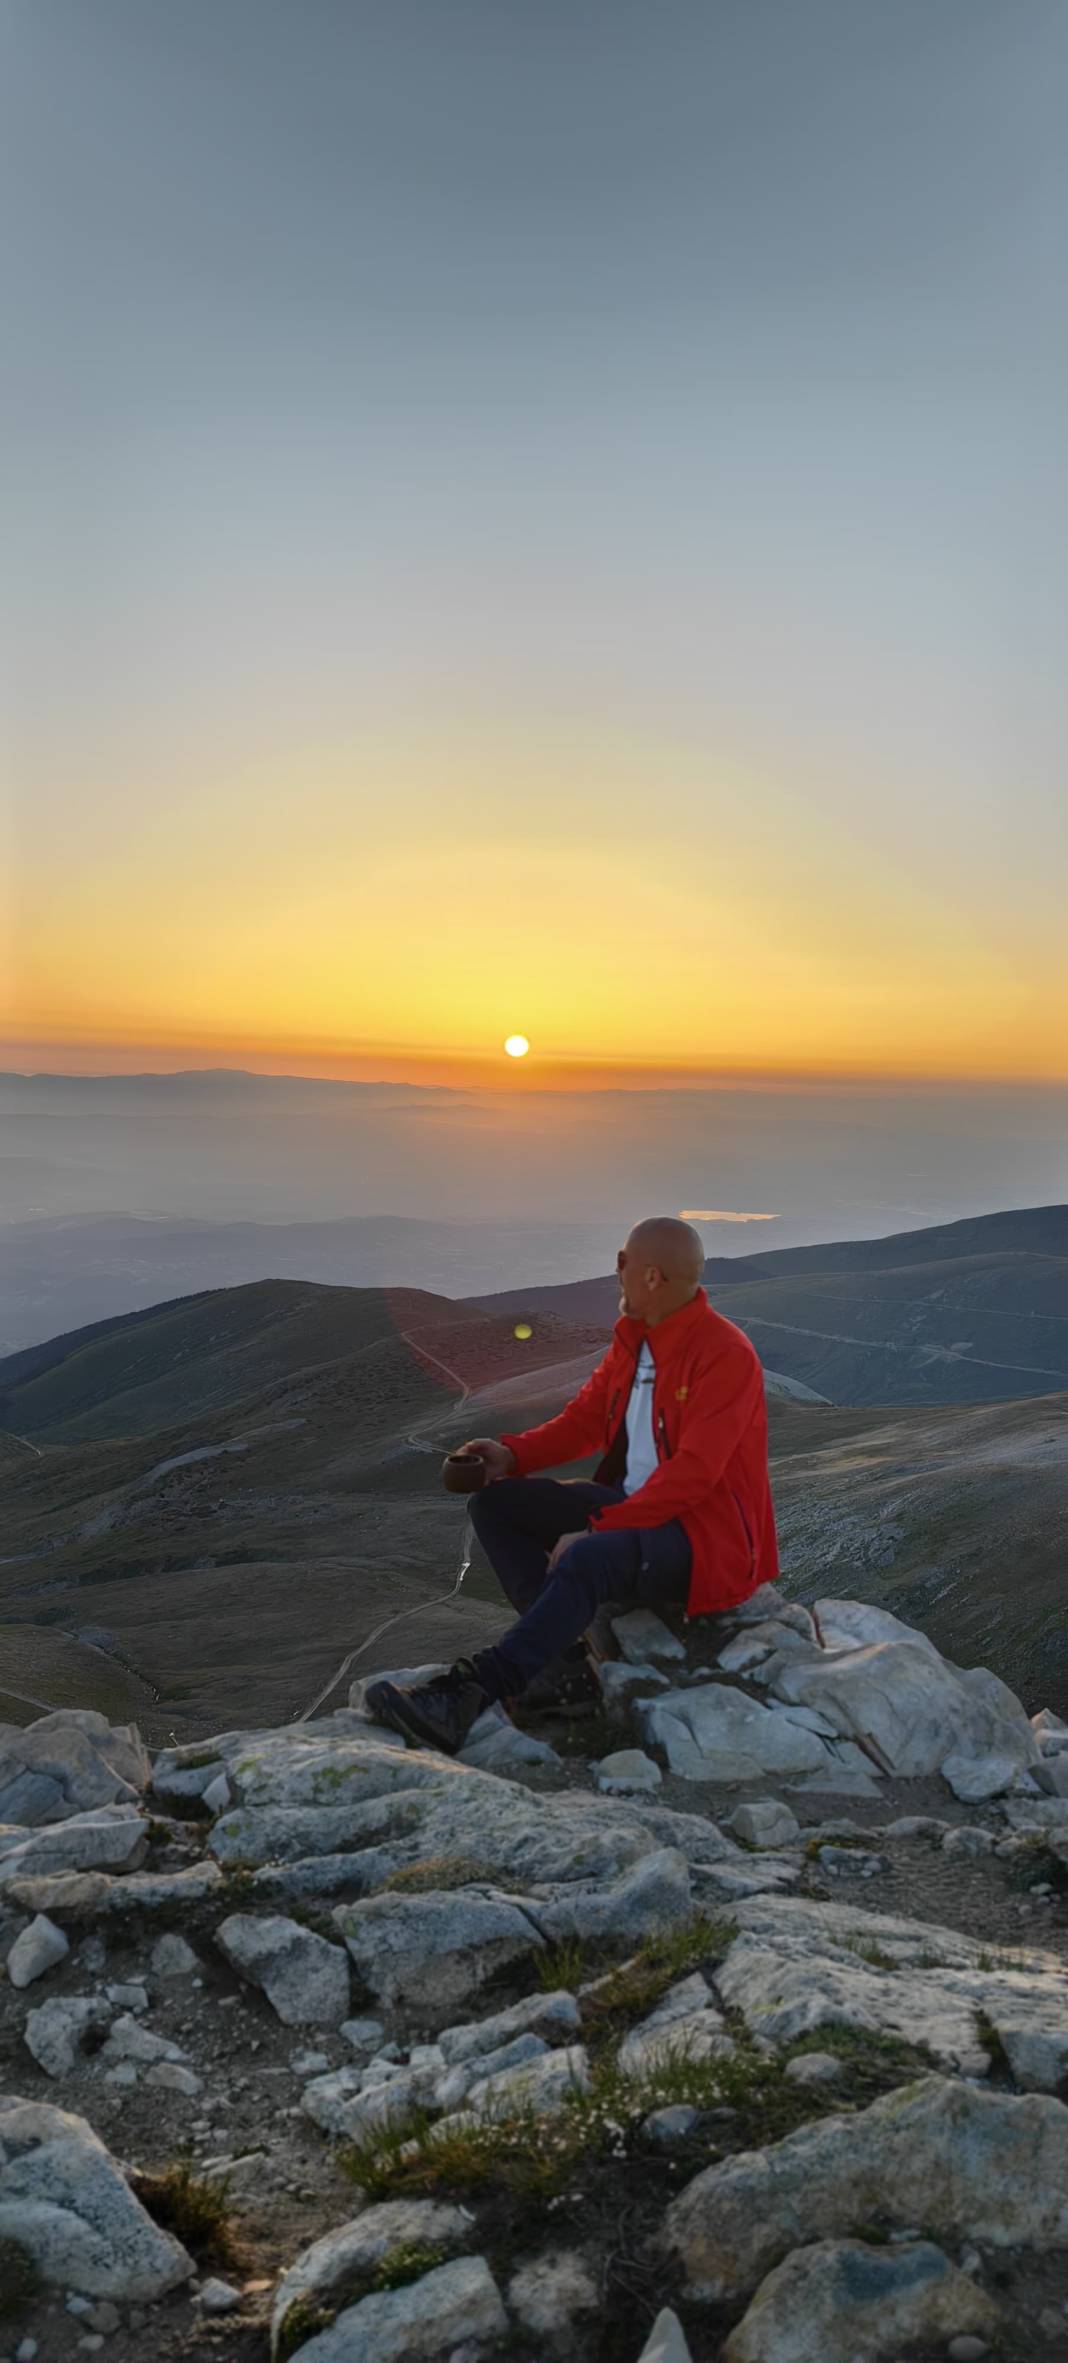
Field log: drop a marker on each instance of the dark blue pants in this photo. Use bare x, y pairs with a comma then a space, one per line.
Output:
517, 1521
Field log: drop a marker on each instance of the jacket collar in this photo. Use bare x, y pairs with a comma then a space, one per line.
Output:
664, 1335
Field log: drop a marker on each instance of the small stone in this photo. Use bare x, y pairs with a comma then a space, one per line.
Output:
77, 2304
172, 1957
309, 2063
813, 2067
105, 2316
629, 1772
968, 1841
766, 1823
26, 2350
91, 2343
175, 2078
363, 2035
217, 2297
38, 1948
967, 2349
668, 2126
666, 2342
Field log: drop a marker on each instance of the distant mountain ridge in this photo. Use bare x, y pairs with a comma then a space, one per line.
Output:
971, 1311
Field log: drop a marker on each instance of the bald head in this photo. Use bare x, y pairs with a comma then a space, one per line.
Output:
660, 1267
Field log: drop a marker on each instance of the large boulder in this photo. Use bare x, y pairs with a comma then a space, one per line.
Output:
841, 2299
964, 2162
68, 1762
104, 1840
911, 1711
456, 2308
324, 2274
305, 1978
712, 1732
432, 1953
64, 2201
797, 1965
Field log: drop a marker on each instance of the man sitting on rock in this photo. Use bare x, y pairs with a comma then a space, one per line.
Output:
678, 1512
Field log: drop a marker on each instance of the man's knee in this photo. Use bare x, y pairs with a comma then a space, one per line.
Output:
495, 1504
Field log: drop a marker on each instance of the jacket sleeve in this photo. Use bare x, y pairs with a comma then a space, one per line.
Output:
722, 1403
575, 1431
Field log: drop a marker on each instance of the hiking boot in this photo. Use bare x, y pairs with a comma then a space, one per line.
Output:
565, 1687
437, 1714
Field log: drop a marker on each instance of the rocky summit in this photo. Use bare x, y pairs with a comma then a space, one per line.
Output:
730, 2025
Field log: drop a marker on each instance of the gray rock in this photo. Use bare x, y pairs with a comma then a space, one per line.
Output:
961, 2160
654, 1895
768, 1823
968, 1841
217, 2297
797, 1965
551, 2015
305, 1978
814, 2067
434, 1952
364, 2036
539, 2089
667, 2341
841, 2297
912, 1711
455, 2308
453, 2087
64, 2200
84, 1842
127, 1996
718, 1734
68, 1762
495, 1745
967, 2349
38, 1949
354, 2102
127, 2039
55, 2032
174, 2078
626, 1773
644, 1637
171, 1957
324, 2273
1052, 1775
667, 2128
621, 1683
552, 2294
684, 2025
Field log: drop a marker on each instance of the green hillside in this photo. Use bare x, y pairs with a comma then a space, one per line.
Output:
141, 1373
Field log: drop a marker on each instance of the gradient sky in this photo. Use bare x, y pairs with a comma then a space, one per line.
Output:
538, 516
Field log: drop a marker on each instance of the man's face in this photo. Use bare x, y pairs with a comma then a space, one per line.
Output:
633, 1287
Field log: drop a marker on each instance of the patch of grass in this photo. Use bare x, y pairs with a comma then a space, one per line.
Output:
634, 1987
439, 1872
867, 1950
992, 2044
302, 2321
195, 2210
20, 2281
562, 1965
408, 2262
238, 1880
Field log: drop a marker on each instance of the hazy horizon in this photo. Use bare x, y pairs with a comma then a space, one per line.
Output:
545, 520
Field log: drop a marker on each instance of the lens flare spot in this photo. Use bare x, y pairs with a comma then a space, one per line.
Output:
517, 1046
522, 1329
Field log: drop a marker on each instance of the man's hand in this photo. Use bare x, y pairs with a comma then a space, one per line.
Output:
563, 1545
499, 1458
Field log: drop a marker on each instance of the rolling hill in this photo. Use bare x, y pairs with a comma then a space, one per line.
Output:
967, 1312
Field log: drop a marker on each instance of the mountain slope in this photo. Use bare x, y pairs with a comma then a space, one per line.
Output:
965, 1312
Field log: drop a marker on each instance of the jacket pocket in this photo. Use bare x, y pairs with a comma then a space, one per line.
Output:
747, 1529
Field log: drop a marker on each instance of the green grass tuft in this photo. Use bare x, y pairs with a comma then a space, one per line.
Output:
195, 2210
438, 1873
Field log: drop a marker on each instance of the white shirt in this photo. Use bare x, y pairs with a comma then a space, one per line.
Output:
641, 1444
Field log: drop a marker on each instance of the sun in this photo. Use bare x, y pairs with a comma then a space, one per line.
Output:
517, 1046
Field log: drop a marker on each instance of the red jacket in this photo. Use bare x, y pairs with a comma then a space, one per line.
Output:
711, 1430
